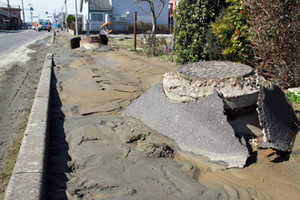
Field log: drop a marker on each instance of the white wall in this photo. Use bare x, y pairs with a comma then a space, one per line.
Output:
124, 6
94, 25
127, 8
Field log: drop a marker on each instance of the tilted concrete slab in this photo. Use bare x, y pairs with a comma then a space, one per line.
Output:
197, 127
278, 119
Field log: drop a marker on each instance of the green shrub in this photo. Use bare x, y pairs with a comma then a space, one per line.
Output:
214, 46
232, 30
130, 28
293, 97
141, 27
193, 18
70, 19
146, 45
162, 29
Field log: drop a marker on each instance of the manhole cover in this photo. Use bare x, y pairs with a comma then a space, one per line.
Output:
214, 69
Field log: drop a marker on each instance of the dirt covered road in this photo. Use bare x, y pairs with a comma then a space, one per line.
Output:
94, 153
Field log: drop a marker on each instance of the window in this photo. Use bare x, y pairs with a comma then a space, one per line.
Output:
120, 18
97, 17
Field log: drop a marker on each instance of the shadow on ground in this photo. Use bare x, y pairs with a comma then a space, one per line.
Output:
58, 149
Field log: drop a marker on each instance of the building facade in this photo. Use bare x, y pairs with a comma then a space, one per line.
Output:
16, 22
120, 12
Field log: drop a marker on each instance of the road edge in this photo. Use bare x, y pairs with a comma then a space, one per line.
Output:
29, 177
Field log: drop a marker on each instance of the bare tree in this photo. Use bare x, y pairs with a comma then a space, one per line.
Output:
274, 34
151, 12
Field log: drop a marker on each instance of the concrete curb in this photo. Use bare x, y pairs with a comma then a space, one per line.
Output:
28, 178
53, 37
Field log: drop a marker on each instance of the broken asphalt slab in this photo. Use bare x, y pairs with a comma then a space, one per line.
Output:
197, 127
277, 118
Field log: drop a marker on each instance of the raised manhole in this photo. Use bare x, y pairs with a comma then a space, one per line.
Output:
236, 83
214, 70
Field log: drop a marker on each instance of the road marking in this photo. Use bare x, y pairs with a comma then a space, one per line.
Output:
9, 33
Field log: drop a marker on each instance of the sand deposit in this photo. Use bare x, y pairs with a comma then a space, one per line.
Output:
95, 154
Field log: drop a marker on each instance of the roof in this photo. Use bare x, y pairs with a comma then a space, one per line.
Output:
97, 4
100, 5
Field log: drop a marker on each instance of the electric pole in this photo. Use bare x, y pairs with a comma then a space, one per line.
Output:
31, 9
76, 17
24, 22
9, 14
66, 15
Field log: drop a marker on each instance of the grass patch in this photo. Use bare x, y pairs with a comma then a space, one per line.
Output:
13, 152
293, 97
121, 43
144, 47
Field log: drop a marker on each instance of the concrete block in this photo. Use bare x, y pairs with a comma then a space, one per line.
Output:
103, 39
29, 186
31, 156
278, 119
75, 42
197, 127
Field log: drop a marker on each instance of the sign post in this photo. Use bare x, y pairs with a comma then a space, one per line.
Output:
134, 32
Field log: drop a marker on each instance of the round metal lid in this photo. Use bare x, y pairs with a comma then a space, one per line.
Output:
214, 69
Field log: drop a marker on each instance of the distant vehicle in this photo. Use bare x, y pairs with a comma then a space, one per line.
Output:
45, 26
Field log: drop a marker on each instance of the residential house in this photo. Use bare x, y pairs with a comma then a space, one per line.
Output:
3, 16
16, 21
120, 12
172, 5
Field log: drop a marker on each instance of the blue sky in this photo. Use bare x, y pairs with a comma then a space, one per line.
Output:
42, 6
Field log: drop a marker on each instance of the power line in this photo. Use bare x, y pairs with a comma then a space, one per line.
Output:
4, 5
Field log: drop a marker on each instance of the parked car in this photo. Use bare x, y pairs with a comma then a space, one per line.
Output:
44, 26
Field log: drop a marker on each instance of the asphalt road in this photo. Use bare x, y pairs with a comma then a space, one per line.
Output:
11, 40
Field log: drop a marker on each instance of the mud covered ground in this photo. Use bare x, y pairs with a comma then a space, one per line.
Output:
95, 154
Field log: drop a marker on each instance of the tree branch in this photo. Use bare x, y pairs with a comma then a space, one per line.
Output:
137, 3
161, 8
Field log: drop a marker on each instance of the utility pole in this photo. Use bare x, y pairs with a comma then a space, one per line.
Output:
76, 17
88, 22
134, 31
9, 14
24, 22
66, 15
31, 9
54, 17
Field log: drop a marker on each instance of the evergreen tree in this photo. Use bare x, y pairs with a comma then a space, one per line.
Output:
193, 18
